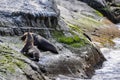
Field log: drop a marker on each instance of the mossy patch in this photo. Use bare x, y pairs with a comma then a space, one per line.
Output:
3, 60
79, 44
75, 28
20, 64
57, 34
98, 13
74, 41
8, 61
10, 67
66, 40
89, 22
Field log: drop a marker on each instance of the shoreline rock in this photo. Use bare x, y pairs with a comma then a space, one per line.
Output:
77, 56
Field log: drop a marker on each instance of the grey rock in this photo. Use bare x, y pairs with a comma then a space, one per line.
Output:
43, 17
17, 16
109, 8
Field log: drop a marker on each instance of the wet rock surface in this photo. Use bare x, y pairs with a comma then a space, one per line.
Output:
70, 62
79, 65
42, 17
17, 16
110, 69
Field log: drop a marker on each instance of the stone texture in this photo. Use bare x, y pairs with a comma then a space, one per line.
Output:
109, 8
43, 17
15, 66
17, 16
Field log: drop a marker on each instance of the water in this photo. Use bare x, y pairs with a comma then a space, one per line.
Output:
111, 67
118, 25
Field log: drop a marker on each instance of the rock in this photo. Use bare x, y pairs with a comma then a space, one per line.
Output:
77, 56
14, 65
98, 35
17, 16
109, 8
87, 19
72, 64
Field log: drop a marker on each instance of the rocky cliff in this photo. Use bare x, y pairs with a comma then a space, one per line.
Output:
109, 8
78, 14
69, 25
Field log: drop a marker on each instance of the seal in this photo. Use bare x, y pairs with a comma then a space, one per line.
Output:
29, 49
41, 43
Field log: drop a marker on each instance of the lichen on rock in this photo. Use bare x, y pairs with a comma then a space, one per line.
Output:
12, 66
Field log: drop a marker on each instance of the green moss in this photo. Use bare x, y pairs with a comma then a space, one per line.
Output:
3, 60
74, 41
20, 64
11, 67
9, 58
89, 22
7, 66
98, 13
86, 22
4, 49
66, 40
77, 45
8, 62
57, 34
75, 28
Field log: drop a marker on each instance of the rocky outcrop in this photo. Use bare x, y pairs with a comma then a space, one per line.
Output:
70, 62
81, 17
77, 56
17, 16
109, 8
14, 66
80, 63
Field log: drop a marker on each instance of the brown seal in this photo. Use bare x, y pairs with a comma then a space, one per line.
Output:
29, 49
41, 43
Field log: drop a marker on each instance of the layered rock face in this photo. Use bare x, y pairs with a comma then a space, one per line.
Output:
77, 57
17, 16
109, 8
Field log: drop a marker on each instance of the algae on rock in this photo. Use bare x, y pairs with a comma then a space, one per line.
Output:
12, 67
